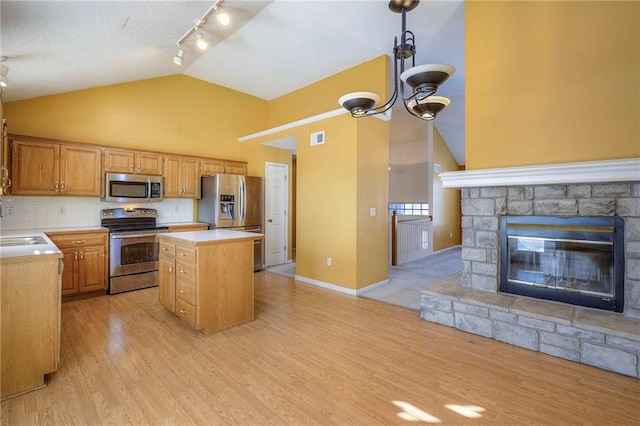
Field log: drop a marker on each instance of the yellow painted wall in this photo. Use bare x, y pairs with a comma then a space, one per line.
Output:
551, 82
447, 230
372, 191
323, 95
177, 114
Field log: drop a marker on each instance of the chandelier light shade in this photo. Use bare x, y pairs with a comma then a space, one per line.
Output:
422, 80
429, 107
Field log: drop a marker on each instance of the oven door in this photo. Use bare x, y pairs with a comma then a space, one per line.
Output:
133, 252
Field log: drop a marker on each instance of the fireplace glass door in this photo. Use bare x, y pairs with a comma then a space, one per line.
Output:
576, 260
570, 265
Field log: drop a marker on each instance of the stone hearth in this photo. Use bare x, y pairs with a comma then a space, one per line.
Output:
473, 303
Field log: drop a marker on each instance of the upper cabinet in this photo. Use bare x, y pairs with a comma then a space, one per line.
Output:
181, 177
123, 161
210, 167
42, 167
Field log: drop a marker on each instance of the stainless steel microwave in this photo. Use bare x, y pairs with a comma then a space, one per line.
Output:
126, 188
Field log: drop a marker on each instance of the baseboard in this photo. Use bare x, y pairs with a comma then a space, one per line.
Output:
444, 250
340, 288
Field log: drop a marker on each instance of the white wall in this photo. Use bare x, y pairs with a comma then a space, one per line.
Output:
60, 212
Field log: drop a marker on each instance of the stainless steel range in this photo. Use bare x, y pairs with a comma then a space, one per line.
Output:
133, 249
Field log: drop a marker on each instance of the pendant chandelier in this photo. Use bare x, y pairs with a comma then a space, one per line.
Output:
423, 80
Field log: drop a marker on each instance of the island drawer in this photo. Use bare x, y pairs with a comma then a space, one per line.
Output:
186, 271
186, 291
168, 249
185, 254
78, 240
186, 311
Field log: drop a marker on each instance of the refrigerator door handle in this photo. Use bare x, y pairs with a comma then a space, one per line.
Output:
243, 205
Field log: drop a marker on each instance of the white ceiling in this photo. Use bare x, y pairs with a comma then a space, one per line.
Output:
271, 47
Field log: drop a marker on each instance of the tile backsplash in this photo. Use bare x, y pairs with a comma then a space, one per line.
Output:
60, 212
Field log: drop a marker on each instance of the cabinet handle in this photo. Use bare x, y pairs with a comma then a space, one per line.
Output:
61, 186
75, 256
81, 255
182, 311
139, 166
165, 249
131, 166
182, 254
78, 242
183, 292
56, 186
170, 269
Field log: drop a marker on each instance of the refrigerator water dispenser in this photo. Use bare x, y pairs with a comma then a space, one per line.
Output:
227, 207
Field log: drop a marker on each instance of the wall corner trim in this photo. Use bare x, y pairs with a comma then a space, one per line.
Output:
303, 121
624, 170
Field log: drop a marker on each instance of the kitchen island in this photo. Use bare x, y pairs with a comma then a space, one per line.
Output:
30, 270
206, 277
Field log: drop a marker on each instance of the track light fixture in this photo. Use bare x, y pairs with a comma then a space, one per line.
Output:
201, 42
221, 16
179, 56
423, 80
4, 70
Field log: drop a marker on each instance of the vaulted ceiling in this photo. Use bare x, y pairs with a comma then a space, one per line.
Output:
270, 48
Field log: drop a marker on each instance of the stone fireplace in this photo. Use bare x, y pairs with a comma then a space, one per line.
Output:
545, 300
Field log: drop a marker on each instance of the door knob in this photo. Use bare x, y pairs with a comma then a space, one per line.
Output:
270, 220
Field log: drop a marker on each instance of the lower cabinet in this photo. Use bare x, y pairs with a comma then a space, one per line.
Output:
208, 286
85, 262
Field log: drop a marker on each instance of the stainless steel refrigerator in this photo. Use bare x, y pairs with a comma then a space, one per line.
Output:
234, 202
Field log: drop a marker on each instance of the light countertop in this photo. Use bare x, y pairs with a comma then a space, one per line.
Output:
10, 252
211, 236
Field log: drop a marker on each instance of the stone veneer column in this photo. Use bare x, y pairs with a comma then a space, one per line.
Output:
482, 209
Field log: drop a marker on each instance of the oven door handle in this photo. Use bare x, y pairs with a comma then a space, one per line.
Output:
122, 237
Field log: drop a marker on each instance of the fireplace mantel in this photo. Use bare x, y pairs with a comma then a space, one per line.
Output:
626, 170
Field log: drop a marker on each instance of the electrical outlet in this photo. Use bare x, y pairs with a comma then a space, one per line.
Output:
372, 212
10, 210
62, 210
328, 261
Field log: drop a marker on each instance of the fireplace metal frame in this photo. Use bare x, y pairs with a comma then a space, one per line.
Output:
615, 304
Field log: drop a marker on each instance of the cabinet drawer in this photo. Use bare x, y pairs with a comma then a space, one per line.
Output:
78, 240
186, 311
185, 254
186, 271
168, 249
186, 291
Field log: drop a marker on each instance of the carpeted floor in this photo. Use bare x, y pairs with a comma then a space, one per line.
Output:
405, 281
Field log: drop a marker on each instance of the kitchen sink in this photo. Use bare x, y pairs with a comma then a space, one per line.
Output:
21, 241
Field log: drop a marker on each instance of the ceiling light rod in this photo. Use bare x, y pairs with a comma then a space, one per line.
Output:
198, 23
423, 79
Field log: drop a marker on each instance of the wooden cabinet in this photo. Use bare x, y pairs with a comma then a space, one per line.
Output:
5, 180
209, 285
209, 167
181, 177
85, 262
123, 161
41, 167
29, 323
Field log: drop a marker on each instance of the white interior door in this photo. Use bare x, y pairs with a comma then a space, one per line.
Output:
277, 201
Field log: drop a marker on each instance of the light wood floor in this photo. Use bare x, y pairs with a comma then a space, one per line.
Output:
312, 356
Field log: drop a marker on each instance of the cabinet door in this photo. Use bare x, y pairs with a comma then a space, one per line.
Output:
80, 171
172, 188
167, 282
35, 167
236, 168
118, 161
190, 178
148, 163
91, 269
210, 167
70, 271
5, 179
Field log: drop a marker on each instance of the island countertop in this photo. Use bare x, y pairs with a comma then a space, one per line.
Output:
213, 236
